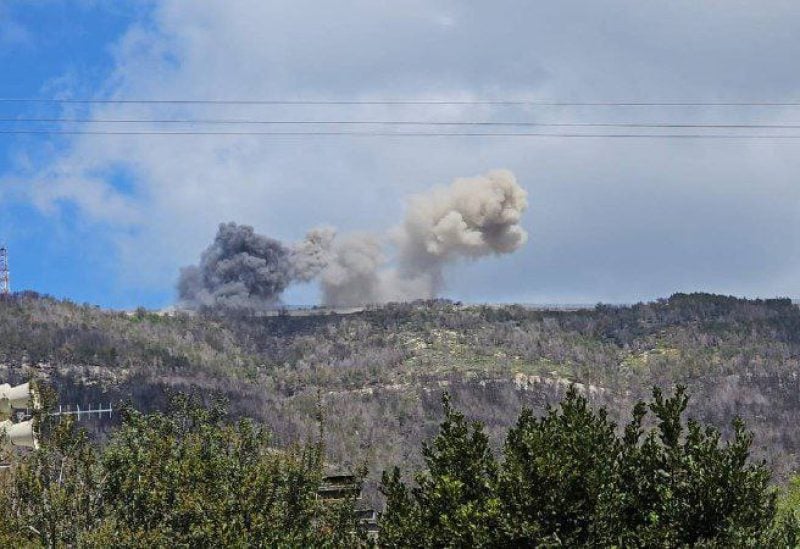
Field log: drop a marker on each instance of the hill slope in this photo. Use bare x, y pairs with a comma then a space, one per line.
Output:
379, 373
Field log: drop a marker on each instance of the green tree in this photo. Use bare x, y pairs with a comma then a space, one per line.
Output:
789, 500
184, 478
558, 478
682, 486
568, 479
454, 502
49, 497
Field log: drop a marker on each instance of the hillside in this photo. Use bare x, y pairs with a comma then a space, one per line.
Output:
379, 372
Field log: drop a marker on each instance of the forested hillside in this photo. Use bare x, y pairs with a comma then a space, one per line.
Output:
379, 373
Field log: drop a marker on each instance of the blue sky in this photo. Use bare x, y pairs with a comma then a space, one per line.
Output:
110, 220
46, 49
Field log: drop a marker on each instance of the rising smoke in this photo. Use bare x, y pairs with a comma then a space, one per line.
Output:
241, 269
472, 218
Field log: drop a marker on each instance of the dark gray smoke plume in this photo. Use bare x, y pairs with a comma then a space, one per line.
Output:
241, 269
471, 218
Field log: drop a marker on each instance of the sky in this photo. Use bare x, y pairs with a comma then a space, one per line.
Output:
109, 220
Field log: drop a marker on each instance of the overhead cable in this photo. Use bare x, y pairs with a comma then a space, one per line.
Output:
488, 102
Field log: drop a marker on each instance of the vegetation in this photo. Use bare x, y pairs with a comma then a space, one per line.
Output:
568, 480
380, 372
184, 478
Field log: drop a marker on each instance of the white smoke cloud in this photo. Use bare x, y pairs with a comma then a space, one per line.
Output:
473, 217
353, 275
309, 257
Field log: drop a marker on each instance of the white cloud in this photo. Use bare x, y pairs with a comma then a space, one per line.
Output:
610, 219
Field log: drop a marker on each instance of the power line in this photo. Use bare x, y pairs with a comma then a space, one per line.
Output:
489, 102
405, 134
233, 121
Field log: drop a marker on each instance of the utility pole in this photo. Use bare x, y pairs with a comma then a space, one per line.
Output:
5, 279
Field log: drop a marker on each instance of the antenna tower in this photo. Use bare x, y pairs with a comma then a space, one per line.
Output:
5, 280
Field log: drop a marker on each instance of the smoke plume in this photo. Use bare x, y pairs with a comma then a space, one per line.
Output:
309, 257
353, 275
471, 218
241, 269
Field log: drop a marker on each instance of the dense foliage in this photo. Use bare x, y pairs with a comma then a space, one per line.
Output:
572, 477
567, 479
184, 478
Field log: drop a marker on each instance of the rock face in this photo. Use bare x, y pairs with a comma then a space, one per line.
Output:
379, 372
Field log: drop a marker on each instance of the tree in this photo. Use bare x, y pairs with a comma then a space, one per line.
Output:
568, 479
682, 486
454, 501
49, 497
185, 478
557, 482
